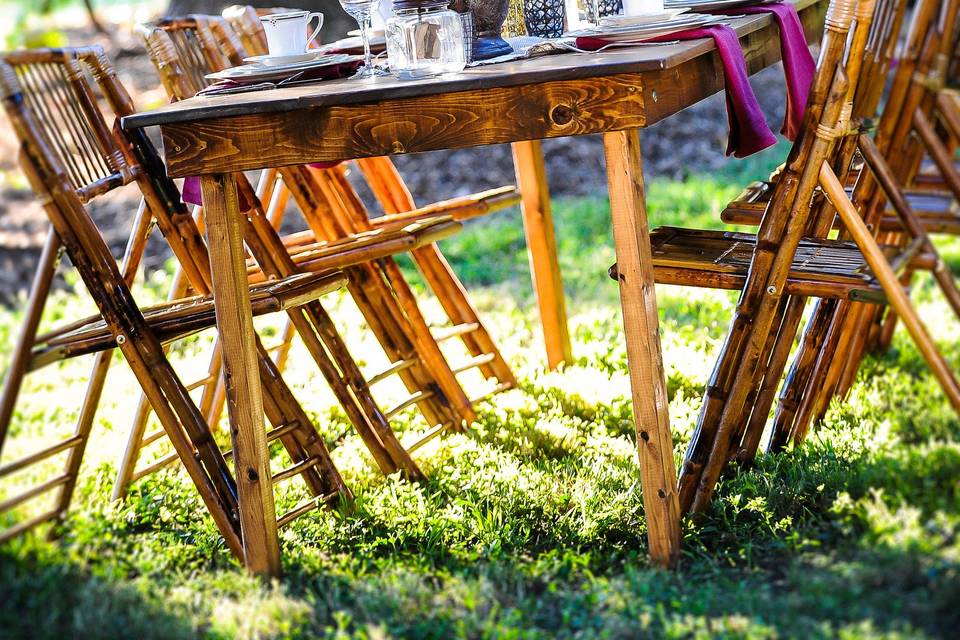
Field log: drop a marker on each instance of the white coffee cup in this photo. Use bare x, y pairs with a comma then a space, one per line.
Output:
642, 7
287, 32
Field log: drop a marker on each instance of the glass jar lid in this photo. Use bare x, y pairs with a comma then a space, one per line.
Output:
419, 5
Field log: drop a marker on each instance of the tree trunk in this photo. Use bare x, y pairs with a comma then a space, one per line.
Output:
336, 23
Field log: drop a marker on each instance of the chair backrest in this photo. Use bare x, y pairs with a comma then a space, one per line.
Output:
65, 91
184, 50
62, 183
245, 21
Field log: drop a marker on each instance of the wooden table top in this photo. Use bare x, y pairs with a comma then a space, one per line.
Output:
569, 66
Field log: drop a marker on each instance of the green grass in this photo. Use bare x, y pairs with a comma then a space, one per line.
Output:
532, 526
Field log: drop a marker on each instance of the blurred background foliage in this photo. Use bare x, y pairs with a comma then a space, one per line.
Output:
41, 23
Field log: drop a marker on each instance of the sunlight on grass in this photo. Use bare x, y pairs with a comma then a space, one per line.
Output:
532, 524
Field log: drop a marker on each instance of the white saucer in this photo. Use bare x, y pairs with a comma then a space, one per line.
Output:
354, 42
646, 18
275, 61
372, 33
262, 72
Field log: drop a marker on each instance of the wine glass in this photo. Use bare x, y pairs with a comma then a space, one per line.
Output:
361, 10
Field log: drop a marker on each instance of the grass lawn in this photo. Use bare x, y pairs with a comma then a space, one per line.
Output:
532, 526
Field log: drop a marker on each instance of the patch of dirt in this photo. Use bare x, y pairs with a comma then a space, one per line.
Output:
688, 143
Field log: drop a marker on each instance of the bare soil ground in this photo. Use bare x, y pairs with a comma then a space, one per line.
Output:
690, 143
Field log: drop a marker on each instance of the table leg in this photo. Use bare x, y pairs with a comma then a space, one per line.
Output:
542, 248
638, 300
258, 522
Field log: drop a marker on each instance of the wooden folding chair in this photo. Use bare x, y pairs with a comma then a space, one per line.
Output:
399, 207
70, 155
835, 339
789, 259
200, 40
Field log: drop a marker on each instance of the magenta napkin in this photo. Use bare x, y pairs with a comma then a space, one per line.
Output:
191, 193
749, 132
798, 64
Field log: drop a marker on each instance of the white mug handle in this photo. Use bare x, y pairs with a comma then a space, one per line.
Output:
319, 17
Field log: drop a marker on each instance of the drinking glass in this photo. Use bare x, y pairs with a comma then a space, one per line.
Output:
361, 11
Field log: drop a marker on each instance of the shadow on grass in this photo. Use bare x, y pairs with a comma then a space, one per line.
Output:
45, 595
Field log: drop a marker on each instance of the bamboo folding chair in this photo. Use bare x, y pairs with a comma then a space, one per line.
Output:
70, 155
817, 373
199, 40
790, 259
929, 175
399, 207
834, 341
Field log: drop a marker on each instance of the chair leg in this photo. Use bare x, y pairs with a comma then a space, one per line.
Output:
131, 454
773, 372
20, 359
805, 367
891, 285
393, 195
948, 106
458, 307
332, 213
938, 152
349, 212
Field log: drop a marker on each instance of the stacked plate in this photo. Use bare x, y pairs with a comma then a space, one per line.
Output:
354, 44
636, 21
627, 29
708, 5
264, 69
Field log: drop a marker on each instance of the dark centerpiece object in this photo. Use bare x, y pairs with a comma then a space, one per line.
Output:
488, 17
544, 18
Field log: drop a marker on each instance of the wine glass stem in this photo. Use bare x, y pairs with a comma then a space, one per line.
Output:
365, 23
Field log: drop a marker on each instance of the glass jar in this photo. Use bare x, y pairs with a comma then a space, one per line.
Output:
424, 38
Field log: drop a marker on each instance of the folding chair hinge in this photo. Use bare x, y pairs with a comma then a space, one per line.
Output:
935, 78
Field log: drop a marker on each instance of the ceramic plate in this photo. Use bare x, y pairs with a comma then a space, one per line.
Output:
273, 61
355, 42
262, 72
373, 33
707, 5
644, 32
623, 21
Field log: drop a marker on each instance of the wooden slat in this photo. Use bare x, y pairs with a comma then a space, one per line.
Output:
37, 456
13, 532
394, 368
419, 396
306, 506
152, 437
473, 362
502, 386
153, 467
295, 469
448, 333
427, 437
10, 503
462, 208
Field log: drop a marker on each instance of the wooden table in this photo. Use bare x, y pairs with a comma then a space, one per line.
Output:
614, 93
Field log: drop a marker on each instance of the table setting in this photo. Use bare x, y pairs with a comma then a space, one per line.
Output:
421, 39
